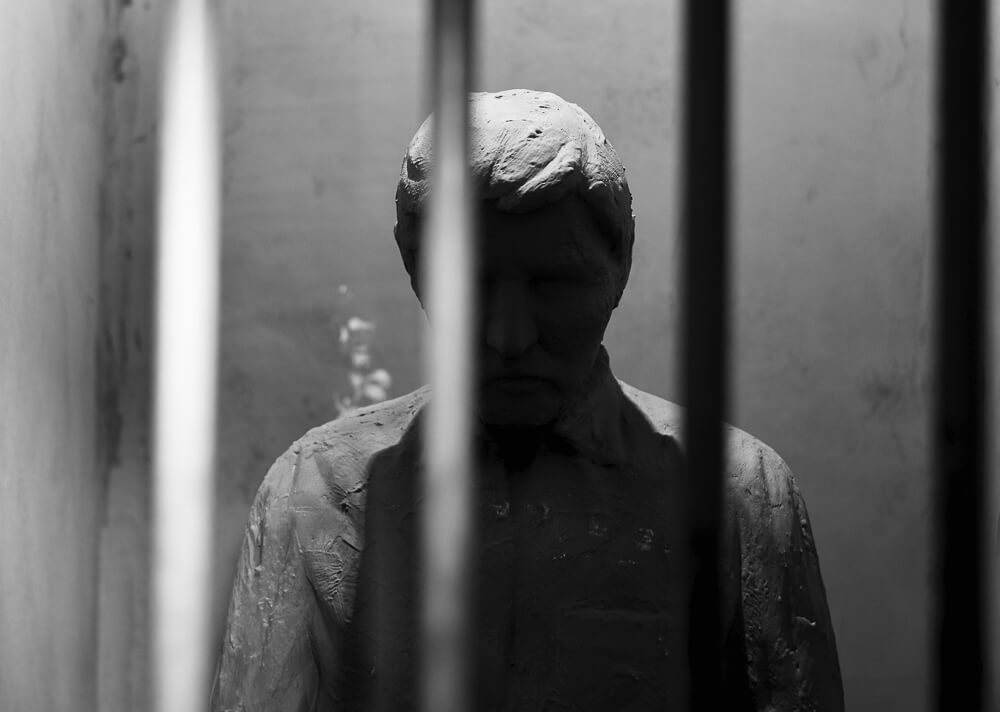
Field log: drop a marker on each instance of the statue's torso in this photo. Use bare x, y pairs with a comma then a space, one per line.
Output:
577, 603
581, 586
582, 581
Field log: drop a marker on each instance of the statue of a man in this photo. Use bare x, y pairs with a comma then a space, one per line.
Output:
582, 587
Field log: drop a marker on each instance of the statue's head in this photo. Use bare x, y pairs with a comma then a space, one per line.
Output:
557, 231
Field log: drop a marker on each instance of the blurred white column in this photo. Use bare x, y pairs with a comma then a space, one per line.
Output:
448, 286
187, 308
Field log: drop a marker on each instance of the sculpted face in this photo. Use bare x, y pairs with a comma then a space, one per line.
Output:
557, 232
547, 283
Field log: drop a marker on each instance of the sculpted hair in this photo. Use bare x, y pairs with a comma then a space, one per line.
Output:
528, 149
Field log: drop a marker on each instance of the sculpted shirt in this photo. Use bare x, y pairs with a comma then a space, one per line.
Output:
581, 568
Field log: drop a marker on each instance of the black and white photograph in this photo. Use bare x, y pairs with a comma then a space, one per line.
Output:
499, 356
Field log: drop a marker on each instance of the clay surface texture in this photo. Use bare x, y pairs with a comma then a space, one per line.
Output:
582, 581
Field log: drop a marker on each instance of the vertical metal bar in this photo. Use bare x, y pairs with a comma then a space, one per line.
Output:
706, 295
187, 276
448, 270
960, 358
991, 462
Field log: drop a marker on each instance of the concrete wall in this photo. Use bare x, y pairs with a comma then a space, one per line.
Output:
125, 360
79, 95
832, 220
52, 89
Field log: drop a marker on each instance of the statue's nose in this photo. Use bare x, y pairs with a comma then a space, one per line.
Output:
510, 320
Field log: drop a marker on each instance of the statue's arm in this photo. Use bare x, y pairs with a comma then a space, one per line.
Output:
267, 662
791, 654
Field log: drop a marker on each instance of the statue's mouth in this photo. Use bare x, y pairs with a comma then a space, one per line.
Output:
518, 384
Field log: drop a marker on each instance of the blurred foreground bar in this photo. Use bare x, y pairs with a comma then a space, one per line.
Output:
187, 286
959, 419
448, 285
705, 205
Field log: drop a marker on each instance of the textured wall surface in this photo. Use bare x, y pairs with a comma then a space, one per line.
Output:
52, 89
832, 172
124, 357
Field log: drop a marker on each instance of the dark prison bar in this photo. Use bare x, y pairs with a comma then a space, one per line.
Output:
959, 419
705, 205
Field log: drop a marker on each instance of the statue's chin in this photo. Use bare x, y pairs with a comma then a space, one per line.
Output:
523, 408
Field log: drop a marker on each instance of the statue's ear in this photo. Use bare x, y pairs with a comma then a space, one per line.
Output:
625, 248
410, 259
409, 256
626, 269
406, 231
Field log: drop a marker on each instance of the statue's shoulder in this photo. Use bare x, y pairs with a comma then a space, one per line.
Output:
755, 471
330, 461
665, 417
350, 440
312, 501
